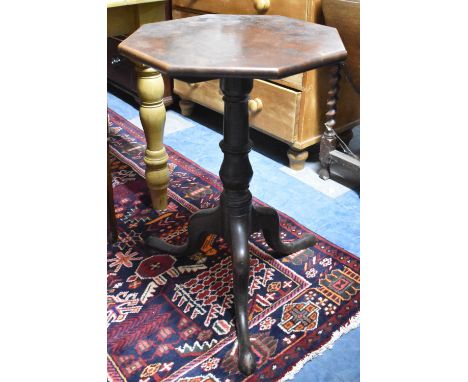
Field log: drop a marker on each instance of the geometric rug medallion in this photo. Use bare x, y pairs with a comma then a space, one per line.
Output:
171, 319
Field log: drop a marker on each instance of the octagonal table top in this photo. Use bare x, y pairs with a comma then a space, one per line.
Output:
243, 46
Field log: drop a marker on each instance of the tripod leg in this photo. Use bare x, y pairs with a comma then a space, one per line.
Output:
201, 222
239, 233
267, 220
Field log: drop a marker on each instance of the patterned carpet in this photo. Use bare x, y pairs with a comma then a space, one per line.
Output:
171, 319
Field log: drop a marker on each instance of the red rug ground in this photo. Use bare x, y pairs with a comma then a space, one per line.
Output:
172, 319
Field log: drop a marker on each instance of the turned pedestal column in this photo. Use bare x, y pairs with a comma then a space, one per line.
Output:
235, 219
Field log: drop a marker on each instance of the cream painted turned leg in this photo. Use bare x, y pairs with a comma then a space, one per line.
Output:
150, 88
297, 158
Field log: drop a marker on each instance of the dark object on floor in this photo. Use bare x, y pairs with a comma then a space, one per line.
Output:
171, 318
343, 15
343, 167
231, 54
346, 167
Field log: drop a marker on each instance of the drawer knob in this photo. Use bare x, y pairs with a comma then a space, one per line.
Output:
194, 85
262, 5
255, 105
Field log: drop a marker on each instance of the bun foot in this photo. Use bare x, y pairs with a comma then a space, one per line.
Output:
246, 362
297, 158
186, 107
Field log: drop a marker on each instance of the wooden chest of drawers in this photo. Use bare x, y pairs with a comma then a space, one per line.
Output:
291, 109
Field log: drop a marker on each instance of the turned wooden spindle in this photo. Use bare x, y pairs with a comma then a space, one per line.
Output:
328, 142
332, 96
150, 86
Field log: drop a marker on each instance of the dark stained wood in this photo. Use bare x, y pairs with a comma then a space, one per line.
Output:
240, 46
328, 141
345, 169
237, 49
236, 218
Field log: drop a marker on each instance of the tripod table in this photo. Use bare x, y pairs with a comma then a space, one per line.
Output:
236, 49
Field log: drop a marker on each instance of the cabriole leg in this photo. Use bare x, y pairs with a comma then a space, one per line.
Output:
267, 219
239, 234
200, 223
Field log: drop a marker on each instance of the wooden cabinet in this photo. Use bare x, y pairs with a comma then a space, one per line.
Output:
291, 109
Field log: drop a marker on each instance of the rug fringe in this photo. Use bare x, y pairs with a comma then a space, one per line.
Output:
353, 323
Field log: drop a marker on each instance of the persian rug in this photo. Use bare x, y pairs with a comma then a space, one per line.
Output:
171, 319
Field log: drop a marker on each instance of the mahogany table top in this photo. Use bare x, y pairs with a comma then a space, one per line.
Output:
243, 46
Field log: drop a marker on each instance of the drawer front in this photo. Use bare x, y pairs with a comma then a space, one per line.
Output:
290, 8
278, 116
181, 13
294, 82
